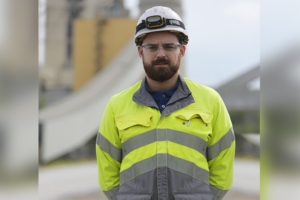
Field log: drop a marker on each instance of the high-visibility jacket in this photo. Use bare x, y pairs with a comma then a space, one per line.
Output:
184, 152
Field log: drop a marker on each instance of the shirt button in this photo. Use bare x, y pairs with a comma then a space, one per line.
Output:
163, 95
163, 106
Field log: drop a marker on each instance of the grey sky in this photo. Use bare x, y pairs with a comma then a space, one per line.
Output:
224, 38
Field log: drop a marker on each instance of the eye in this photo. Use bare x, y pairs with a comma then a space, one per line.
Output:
169, 47
151, 47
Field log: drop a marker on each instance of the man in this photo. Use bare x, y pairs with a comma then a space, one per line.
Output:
166, 137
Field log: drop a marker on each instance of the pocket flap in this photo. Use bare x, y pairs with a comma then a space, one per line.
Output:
188, 115
126, 121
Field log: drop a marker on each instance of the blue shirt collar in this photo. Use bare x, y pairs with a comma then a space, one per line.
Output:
156, 93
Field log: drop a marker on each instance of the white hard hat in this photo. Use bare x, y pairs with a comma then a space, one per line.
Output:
160, 18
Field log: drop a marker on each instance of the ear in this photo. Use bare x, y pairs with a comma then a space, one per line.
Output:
182, 50
140, 51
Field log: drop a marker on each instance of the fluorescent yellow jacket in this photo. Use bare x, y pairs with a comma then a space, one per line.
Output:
184, 152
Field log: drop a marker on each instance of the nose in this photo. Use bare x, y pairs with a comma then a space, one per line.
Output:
161, 52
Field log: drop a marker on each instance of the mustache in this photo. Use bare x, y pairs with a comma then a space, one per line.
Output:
161, 60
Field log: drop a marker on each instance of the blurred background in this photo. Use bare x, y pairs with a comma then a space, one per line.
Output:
18, 99
87, 54
61, 60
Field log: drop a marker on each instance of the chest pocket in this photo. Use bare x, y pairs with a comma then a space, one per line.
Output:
133, 124
188, 115
195, 122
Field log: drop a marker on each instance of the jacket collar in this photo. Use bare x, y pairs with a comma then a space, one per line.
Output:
181, 98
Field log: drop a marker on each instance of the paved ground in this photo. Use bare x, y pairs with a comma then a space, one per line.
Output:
79, 182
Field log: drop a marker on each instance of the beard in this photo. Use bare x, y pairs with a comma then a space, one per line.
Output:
161, 74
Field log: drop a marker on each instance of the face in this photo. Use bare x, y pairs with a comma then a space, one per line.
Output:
163, 64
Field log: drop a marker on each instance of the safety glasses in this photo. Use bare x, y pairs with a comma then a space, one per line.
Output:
153, 48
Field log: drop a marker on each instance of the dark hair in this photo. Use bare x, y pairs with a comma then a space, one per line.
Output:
182, 39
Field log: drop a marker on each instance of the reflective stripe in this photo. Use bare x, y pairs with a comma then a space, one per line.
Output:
218, 193
138, 169
111, 194
188, 168
138, 141
162, 160
161, 134
178, 137
225, 142
106, 146
188, 140
173, 162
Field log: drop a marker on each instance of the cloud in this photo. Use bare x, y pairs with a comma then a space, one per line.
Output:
247, 10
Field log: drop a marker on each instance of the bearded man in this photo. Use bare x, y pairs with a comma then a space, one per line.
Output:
166, 137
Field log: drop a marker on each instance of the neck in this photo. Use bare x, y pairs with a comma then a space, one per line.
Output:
162, 86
